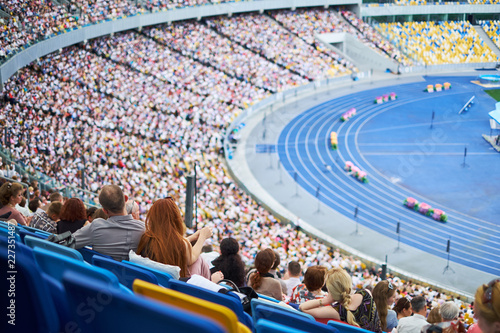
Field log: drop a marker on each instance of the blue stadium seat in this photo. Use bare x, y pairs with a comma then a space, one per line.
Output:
113, 311
88, 254
4, 224
162, 277
34, 309
36, 230
54, 265
33, 242
271, 299
274, 305
24, 232
233, 303
267, 326
5, 232
287, 318
346, 328
126, 274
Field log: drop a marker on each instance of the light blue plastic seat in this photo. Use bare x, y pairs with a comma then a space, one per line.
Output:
231, 301
346, 328
126, 274
267, 326
55, 264
272, 299
44, 244
273, 305
10, 233
163, 277
24, 232
119, 312
35, 310
38, 231
291, 319
88, 254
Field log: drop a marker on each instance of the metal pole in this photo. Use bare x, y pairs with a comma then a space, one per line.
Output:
195, 197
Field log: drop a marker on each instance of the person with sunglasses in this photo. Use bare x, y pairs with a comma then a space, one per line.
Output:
487, 307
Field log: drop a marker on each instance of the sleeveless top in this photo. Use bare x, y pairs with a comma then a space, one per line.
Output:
366, 314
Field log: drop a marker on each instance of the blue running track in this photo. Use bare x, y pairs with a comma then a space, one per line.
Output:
404, 157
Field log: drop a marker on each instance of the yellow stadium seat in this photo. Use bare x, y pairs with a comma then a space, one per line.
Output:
220, 314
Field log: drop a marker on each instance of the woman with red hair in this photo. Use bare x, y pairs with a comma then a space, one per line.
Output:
164, 240
73, 216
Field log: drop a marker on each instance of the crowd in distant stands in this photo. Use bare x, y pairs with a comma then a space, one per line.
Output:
204, 45
29, 21
439, 42
264, 36
143, 109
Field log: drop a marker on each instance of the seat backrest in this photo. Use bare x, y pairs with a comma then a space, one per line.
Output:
12, 233
27, 299
257, 301
271, 299
162, 277
55, 265
88, 254
222, 315
346, 328
262, 311
126, 274
7, 225
24, 232
44, 244
228, 301
267, 326
36, 230
113, 311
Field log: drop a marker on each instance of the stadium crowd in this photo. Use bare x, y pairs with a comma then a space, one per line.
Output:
26, 22
263, 35
142, 109
298, 264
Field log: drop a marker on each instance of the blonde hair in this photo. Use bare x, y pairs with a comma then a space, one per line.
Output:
434, 316
339, 285
490, 308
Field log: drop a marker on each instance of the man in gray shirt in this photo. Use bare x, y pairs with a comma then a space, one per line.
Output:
115, 236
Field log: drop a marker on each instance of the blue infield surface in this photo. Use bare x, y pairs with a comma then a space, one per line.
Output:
404, 157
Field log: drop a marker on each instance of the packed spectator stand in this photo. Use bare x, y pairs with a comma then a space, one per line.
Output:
113, 108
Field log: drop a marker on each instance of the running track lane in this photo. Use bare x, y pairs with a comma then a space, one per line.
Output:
303, 147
